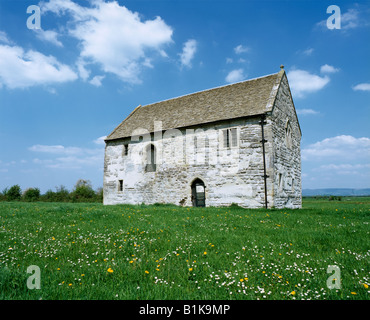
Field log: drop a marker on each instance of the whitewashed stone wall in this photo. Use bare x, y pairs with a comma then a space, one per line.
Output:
233, 175
286, 155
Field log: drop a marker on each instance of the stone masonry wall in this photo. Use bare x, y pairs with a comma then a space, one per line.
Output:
230, 175
286, 155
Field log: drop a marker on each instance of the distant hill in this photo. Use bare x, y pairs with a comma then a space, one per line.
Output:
336, 192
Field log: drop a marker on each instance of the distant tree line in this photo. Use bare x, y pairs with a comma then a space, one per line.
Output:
82, 192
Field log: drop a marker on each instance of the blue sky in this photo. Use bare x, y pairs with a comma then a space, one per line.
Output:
68, 84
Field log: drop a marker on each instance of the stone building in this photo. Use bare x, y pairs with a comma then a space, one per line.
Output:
238, 143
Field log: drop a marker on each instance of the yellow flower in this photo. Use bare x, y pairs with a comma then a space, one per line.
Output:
190, 269
146, 271
70, 285
205, 252
353, 292
131, 261
110, 270
366, 286
292, 293
241, 280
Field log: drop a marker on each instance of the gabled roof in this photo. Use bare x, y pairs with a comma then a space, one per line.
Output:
242, 99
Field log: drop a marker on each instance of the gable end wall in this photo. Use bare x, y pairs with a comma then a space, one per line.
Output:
286, 160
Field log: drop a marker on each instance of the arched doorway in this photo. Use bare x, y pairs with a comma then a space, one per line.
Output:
198, 193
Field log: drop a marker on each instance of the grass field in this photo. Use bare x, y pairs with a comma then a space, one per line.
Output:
91, 251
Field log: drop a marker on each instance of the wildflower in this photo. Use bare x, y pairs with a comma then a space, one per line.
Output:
241, 280
110, 270
292, 293
70, 285
366, 286
205, 252
131, 261
190, 269
354, 293
146, 271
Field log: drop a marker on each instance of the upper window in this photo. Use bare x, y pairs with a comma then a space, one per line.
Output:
230, 138
150, 158
125, 150
288, 134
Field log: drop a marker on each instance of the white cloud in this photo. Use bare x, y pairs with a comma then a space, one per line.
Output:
113, 37
344, 167
229, 60
350, 19
362, 87
240, 49
302, 82
343, 172
55, 149
20, 69
96, 81
61, 157
305, 112
100, 140
343, 147
4, 38
308, 51
188, 52
328, 69
48, 36
235, 76
82, 71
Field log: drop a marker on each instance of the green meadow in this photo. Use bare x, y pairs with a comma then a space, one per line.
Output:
90, 251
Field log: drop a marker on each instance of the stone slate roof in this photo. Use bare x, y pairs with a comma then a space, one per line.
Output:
242, 99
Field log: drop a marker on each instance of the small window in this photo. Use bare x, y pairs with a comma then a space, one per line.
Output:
125, 150
280, 181
230, 138
120, 185
288, 135
150, 159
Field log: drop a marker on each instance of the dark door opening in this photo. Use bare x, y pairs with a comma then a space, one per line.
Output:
198, 194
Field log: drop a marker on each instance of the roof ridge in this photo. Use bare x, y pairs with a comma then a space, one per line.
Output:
210, 89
